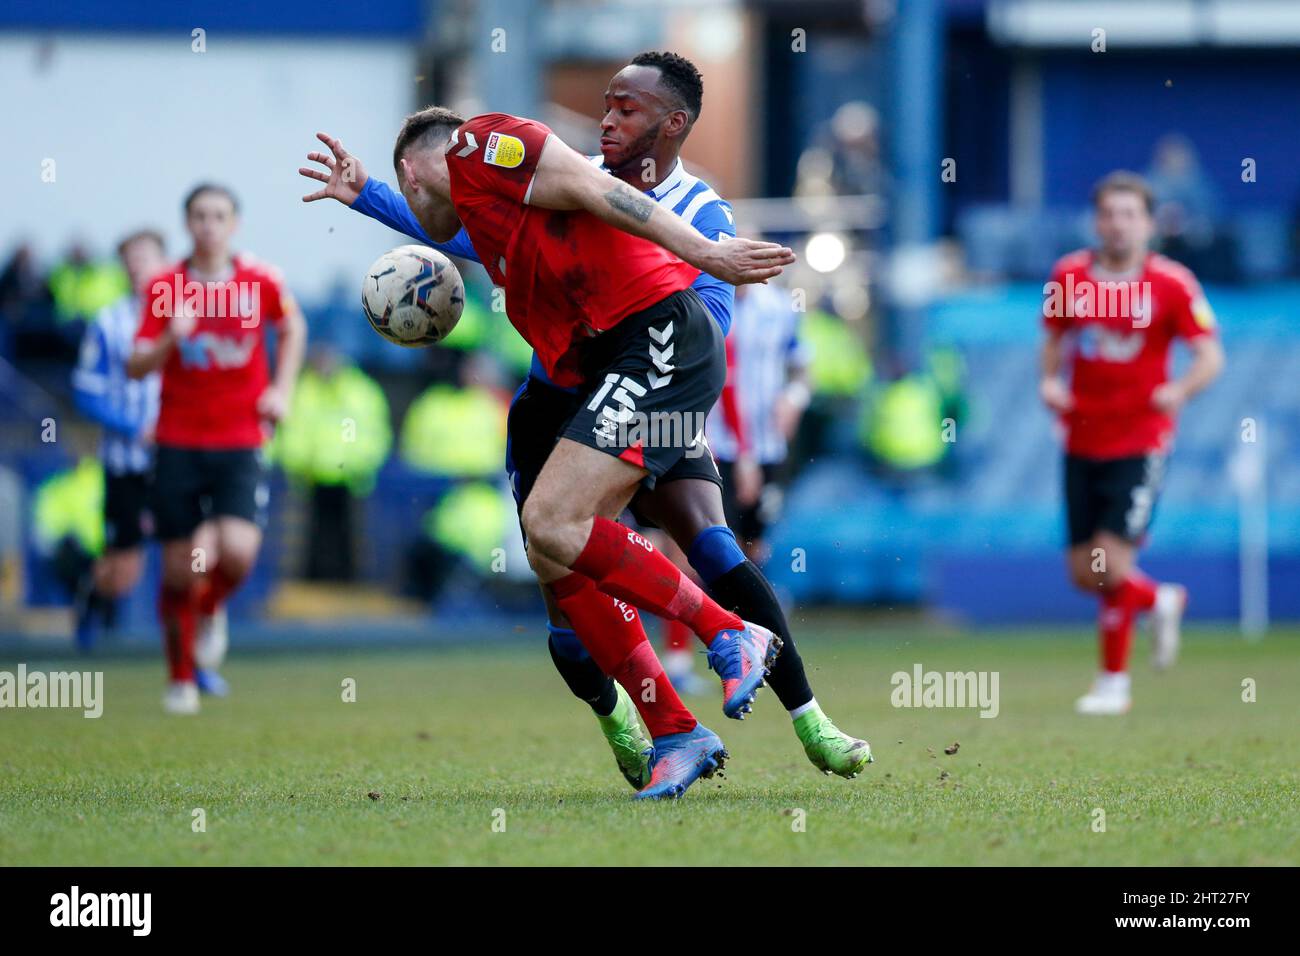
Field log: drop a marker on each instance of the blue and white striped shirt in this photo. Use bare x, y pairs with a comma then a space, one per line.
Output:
766, 348
125, 407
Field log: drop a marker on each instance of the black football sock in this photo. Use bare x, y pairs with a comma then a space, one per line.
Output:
747, 592
587, 681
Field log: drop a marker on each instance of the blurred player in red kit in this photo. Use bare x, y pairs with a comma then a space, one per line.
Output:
1115, 311
204, 325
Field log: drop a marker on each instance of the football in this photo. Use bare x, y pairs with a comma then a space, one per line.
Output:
413, 296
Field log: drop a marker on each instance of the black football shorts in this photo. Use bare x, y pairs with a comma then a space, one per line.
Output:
1112, 494
127, 518
649, 384
191, 485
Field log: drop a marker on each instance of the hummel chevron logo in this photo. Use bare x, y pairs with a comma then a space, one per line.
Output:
657, 381
471, 143
661, 358
661, 335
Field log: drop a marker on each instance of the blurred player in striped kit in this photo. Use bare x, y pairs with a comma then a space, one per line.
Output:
126, 409
749, 430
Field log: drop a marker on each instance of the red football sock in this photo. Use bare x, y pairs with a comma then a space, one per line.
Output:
626, 566
178, 610
215, 590
1116, 631
617, 642
1138, 591
677, 636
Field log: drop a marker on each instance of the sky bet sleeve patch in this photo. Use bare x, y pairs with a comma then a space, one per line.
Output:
503, 150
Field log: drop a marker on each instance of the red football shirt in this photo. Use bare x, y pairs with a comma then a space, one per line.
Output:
213, 378
567, 275
1121, 327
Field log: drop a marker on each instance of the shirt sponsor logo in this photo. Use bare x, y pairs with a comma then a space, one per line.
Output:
504, 150
208, 350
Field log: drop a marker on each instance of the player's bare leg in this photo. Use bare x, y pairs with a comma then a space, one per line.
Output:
691, 512
113, 577
232, 547
182, 570
569, 530
212, 637
1106, 567
611, 635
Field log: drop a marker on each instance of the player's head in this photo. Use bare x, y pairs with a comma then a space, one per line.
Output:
420, 161
211, 216
141, 253
650, 104
1124, 207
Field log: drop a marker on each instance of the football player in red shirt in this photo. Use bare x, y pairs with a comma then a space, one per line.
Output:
204, 324
611, 313
1120, 307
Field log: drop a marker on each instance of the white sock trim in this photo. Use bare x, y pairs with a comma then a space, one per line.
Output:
803, 709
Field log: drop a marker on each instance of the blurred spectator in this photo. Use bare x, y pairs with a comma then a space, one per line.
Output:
80, 286
845, 159
334, 441
839, 369
902, 426
457, 433
947, 369
1188, 209
24, 297
68, 522
21, 284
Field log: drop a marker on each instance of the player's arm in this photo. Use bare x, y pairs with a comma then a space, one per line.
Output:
348, 182
1207, 363
1052, 388
157, 337
564, 179
291, 344
1193, 321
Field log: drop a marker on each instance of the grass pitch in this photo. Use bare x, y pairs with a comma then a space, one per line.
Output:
441, 744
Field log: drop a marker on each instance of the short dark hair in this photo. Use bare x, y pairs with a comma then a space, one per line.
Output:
679, 75
142, 235
202, 188
1123, 181
419, 127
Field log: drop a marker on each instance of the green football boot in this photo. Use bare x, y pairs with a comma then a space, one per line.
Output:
633, 750
829, 748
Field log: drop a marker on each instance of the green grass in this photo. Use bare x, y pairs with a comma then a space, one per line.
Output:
445, 737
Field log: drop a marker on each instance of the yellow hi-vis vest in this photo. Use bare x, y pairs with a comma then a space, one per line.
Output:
71, 502
337, 431
904, 427
455, 432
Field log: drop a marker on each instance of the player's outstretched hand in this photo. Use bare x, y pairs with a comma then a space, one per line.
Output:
346, 177
742, 261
